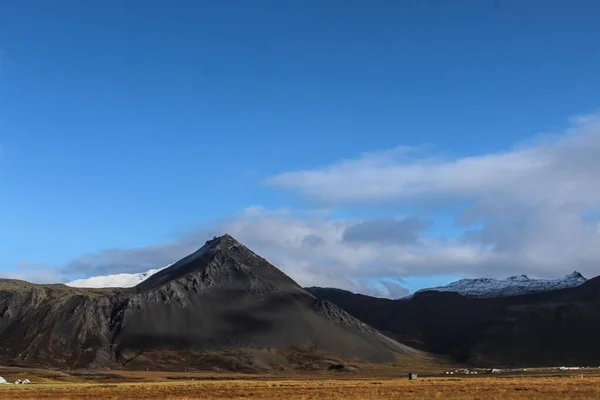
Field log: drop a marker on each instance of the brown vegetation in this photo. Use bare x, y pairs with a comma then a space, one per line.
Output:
324, 387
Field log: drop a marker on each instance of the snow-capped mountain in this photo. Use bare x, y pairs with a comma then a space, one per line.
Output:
514, 285
116, 280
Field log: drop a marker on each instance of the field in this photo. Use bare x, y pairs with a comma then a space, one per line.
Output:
584, 385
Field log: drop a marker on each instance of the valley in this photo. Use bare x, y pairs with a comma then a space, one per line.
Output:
376, 384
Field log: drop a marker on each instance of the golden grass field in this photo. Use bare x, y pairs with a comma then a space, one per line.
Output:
321, 386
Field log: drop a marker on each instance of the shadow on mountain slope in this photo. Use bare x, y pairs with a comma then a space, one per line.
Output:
559, 327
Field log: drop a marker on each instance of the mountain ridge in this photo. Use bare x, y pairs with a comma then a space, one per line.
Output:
555, 327
511, 286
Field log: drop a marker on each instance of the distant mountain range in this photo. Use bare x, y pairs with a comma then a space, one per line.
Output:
480, 287
514, 285
553, 327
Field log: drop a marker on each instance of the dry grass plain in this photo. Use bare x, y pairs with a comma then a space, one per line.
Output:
321, 386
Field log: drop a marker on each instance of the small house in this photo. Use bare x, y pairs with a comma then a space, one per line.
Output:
412, 376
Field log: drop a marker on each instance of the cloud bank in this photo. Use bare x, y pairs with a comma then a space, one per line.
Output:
554, 171
531, 210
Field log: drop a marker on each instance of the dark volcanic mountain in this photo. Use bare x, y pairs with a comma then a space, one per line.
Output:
221, 301
558, 327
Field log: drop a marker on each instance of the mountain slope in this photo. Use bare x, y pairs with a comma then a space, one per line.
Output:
512, 286
558, 327
221, 298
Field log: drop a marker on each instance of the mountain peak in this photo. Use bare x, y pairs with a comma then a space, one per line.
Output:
225, 241
576, 275
222, 263
518, 278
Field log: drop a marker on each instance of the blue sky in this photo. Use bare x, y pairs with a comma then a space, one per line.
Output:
127, 125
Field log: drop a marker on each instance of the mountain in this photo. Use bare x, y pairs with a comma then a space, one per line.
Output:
115, 280
555, 327
221, 306
514, 285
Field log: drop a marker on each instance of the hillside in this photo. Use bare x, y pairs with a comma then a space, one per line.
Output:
222, 304
558, 327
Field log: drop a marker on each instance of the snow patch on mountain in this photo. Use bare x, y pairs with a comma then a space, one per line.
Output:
116, 280
512, 286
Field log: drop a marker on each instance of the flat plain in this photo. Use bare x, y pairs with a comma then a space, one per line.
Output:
142, 385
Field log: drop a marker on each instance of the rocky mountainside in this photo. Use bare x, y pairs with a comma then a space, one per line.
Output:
221, 306
556, 327
512, 286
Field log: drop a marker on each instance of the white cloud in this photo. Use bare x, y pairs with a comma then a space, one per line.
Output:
530, 202
313, 250
529, 205
34, 273
556, 171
